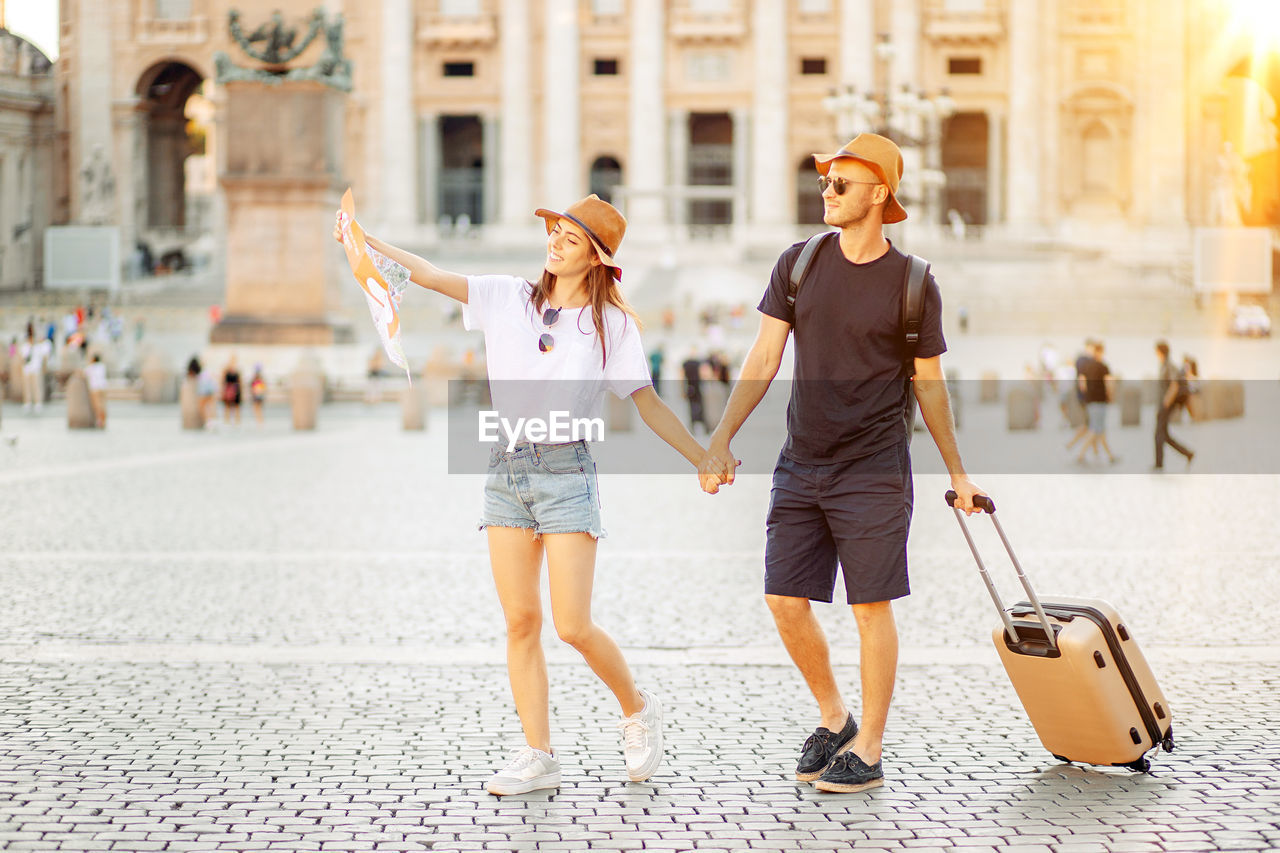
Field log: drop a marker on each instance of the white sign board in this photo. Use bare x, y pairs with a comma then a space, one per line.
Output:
1235, 260
82, 256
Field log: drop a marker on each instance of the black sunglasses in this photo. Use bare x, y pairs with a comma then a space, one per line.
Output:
841, 184
546, 343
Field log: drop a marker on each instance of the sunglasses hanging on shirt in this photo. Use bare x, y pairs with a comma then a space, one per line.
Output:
546, 343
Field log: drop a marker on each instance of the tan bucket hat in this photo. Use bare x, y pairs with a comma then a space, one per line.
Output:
604, 225
882, 156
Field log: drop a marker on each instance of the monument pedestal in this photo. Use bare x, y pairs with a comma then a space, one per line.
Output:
282, 178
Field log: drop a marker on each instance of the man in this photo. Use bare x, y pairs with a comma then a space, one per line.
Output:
1172, 393
1098, 386
842, 487
1081, 360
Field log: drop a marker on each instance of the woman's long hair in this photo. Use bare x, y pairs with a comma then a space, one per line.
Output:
602, 289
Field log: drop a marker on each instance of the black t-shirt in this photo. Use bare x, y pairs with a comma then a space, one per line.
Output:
850, 391
1095, 375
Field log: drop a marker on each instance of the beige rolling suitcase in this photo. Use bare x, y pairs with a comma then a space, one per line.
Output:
1080, 675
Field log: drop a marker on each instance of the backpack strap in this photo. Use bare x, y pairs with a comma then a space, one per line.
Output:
801, 266
913, 306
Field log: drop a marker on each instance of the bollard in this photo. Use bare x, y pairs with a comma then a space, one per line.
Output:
1130, 404
989, 387
437, 373
189, 404
13, 389
157, 379
306, 388
79, 409
413, 408
1020, 407
620, 410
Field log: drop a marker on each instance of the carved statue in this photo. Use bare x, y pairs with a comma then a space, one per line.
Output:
279, 39
1232, 192
331, 69
97, 188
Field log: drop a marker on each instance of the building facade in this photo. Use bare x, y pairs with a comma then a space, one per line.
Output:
1038, 120
26, 159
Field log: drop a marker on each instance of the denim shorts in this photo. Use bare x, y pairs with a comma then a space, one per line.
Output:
543, 488
1097, 417
854, 514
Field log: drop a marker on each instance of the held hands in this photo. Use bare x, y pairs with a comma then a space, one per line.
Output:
718, 467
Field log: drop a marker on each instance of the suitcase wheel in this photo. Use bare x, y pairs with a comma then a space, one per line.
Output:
1063, 760
1142, 765
1167, 743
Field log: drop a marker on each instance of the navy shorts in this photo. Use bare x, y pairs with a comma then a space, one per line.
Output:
855, 514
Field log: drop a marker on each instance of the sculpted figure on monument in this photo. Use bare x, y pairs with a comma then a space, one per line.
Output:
98, 188
331, 69
279, 39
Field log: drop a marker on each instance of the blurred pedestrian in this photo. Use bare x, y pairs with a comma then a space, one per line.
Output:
95, 376
656, 356
1191, 375
35, 354
692, 368
257, 393
1076, 388
231, 392
1172, 393
1098, 385
205, 388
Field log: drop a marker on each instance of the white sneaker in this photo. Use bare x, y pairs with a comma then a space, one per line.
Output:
529, 770
642, 739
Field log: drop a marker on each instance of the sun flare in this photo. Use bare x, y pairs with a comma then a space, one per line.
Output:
1261, 18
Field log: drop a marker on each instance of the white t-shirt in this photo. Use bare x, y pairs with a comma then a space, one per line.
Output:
35, 355
95, 375
528, 383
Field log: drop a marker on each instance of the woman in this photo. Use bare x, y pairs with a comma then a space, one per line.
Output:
95, 375
572, 324
231, 392
257, 393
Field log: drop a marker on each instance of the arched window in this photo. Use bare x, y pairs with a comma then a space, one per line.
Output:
606, 173
1097, 160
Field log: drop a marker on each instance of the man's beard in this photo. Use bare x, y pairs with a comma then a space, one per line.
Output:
847, 218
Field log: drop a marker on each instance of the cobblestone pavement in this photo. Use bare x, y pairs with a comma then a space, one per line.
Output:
259, 639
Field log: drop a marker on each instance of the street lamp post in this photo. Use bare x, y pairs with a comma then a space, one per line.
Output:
911, 118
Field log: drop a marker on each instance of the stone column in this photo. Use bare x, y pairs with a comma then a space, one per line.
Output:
1023, 205
129, 124
397, 205
562, 177
904, 34
995, 167
646, 170
91, 124
858, 45
678, 164
741, 170
515, 202
490, 147
769, 179
1160, 119
428, 168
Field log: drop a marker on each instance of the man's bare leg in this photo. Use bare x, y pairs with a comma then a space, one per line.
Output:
807, 644
878, 636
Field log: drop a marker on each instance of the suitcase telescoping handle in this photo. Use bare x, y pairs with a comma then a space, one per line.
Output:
985, 503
